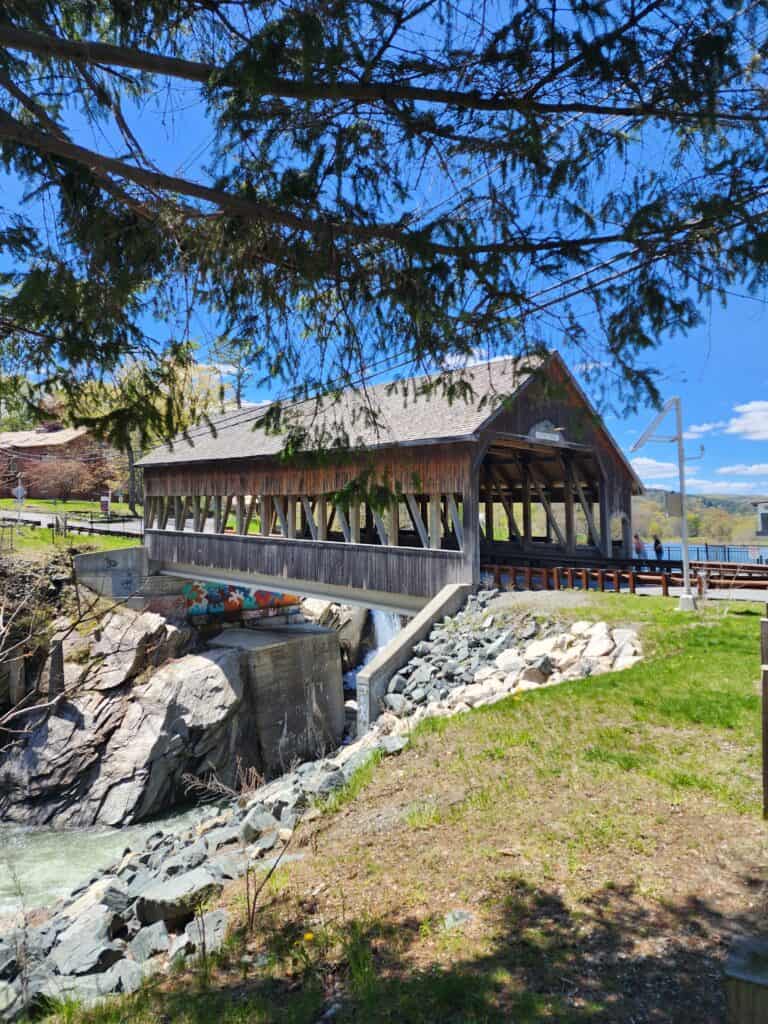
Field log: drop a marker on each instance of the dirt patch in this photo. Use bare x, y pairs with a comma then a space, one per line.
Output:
539, 600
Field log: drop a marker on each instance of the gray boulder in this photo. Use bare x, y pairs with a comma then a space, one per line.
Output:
174, 901
396, 703
86, 947
128, 644
149, 941
208, 932
256, 823
187, 858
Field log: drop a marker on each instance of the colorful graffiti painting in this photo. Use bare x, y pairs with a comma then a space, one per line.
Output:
226, 599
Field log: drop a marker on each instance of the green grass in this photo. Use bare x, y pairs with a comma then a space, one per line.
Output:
356, 783
35, 541
70, 507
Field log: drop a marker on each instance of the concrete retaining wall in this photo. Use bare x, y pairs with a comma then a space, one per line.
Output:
294, 692
118, 574
372, 681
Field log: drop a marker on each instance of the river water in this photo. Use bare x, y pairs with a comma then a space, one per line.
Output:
38, 865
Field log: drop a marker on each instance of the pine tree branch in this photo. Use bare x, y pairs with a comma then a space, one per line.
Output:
47, 45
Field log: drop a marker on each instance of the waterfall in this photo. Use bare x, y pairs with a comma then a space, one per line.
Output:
386, 625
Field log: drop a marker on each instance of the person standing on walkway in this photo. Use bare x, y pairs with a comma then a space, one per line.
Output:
639, 546
658, 547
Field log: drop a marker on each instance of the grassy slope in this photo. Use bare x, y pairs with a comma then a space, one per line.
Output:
37, 543
604, 836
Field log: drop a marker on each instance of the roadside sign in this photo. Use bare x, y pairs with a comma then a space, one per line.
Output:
104, 501
19, 492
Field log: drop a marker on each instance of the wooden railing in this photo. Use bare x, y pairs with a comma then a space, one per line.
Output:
418, 572
546, 577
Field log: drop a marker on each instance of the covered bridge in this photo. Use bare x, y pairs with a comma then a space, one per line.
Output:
525, 468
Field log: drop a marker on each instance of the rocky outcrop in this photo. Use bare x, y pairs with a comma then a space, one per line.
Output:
121, 756
123, 744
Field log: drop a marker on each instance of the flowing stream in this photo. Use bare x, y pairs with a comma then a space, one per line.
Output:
38, 865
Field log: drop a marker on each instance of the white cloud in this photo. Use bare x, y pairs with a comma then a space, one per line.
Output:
755, 469
697, 430
751, 422
225, 369
652, 469
727, 486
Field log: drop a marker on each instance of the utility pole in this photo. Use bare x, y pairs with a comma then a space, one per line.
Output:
687, 599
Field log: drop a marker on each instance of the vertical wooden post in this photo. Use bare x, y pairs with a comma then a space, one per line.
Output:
265, 514
291, 515
584, 579
626, 535
664, 585
239, 514
556, 577
605, 520
354, 521
470, 524
217, 514
526, 503
321, 517
489, 520
393, 522
434, 520
764, 684
569, 511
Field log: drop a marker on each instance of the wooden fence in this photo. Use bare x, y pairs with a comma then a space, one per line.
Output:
721, 576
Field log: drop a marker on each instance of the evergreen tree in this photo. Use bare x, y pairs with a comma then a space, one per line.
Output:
387, 183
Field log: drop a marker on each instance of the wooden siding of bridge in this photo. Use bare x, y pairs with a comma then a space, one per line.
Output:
417, 572
428, 469
556, 398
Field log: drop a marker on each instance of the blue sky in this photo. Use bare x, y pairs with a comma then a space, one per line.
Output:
720, 370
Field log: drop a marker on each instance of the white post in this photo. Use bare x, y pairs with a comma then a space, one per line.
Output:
687, 600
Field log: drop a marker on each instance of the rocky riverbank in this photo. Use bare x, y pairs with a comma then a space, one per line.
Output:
139, 915
149, 705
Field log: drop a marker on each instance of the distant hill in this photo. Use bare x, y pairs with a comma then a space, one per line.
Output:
711, 517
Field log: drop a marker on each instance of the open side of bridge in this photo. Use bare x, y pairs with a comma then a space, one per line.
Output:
525, 467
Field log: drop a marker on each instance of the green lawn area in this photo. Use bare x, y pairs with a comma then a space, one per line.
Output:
39, 542
59, 506
602, 838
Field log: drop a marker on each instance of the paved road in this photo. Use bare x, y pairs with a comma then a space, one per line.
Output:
132, 526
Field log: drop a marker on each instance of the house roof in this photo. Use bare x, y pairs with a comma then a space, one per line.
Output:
40, 438
404, 415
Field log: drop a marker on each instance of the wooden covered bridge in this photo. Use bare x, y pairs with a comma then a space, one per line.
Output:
524, 468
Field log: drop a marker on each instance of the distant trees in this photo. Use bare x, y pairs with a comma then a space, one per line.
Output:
61, 478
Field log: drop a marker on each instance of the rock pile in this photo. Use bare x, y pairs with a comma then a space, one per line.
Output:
470, 660
140, 914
